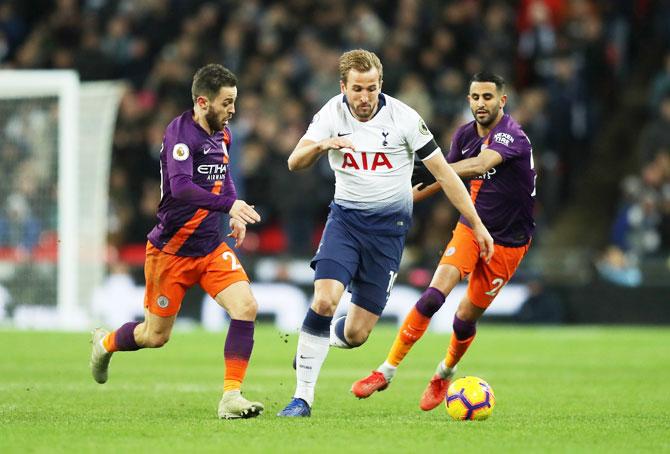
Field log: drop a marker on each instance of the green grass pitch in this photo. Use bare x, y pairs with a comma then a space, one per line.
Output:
574, 389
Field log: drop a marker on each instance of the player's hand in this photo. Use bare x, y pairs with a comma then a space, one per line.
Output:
238, 230
337, 143
485, 242
421, 176
243, 212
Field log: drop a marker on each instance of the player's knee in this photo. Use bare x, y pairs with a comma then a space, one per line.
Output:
468, 313
324, 305
157, 339
248, 309
356, 337
245, 308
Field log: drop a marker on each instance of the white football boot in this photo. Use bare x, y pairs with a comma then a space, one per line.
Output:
233, 406
99, 356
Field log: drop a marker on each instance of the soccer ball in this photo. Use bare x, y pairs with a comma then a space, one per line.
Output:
470, 398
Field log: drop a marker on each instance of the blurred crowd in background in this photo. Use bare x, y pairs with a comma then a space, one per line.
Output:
566, 62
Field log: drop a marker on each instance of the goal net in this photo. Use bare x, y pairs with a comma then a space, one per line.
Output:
55, 146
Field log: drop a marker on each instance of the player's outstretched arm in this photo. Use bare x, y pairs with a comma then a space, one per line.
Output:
421, 192
479, 165
307, 152
455, 190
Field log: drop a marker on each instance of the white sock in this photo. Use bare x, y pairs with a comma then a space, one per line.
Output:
444, 371
312, 352
388, 370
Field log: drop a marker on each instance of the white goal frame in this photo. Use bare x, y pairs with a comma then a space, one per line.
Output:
64, 85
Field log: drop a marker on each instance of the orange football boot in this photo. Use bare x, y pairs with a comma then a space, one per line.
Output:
366, 386
435, 392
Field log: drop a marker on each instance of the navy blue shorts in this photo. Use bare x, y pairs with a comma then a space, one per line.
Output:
368, 262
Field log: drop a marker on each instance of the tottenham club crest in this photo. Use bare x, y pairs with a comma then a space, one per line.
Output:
163, 301
180, 152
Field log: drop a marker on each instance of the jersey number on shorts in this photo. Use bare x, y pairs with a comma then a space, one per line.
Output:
392, 277
234, 264
496, 283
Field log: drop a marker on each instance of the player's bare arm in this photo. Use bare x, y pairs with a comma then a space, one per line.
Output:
453, 187
421, 192
466, 168
307, 152
478, 165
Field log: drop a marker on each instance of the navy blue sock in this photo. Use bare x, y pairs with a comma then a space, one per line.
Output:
316, 324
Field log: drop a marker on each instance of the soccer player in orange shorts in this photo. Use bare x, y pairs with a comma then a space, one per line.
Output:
495, 156
185, 247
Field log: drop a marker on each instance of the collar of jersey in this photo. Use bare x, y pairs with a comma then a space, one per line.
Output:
382, 103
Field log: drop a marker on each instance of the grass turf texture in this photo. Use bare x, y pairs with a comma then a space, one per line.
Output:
587, 389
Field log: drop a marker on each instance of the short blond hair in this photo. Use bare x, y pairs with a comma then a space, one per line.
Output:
360, 60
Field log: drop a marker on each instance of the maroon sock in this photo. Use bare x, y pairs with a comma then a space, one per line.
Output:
124, 337
430, 302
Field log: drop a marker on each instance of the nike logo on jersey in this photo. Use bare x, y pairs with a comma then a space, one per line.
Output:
340, 134
207, 150
465, 150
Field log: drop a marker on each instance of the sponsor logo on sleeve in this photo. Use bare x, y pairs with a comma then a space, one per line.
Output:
503, 138
180, 152
423, 129
449, 252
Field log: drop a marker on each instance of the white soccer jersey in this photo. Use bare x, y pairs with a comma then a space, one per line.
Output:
378, 174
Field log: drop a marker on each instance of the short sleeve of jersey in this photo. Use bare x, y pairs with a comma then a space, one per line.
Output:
419, 139
178, 151
454, 154
321, 126
507, 144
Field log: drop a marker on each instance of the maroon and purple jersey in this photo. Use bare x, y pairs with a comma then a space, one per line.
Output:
505, 195
195, 187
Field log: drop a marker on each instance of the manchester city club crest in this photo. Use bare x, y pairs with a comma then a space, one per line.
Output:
163, 301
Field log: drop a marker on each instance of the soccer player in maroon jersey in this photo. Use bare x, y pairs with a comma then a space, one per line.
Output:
495, 156
185, 247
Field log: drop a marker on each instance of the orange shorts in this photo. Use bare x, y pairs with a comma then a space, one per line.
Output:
486, 279
168, 276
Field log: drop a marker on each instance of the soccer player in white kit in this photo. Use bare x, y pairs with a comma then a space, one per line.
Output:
371, 139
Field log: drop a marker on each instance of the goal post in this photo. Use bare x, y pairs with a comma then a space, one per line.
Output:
63, 147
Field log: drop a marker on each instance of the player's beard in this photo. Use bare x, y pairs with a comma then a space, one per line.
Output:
492, 115
215, 121
364, 114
